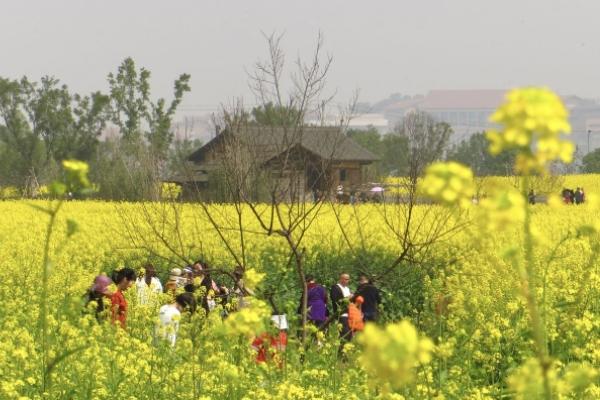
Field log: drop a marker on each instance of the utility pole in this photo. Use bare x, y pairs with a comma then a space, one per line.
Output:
588, 147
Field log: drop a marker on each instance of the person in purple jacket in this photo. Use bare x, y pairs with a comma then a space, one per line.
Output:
316, 303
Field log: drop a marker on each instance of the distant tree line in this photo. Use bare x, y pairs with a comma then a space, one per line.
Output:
591, 162
43, 123
395, 149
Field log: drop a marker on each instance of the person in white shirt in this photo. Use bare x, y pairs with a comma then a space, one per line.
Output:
340, 295
148, 286
169, 316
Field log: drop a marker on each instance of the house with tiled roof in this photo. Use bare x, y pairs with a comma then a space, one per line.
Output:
321, 158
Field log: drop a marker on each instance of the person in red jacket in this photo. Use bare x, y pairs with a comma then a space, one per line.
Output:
271, 346
123, 279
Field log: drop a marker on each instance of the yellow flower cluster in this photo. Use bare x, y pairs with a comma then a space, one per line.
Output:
9, 192
75, 178
390, 354
576, 380
170, 191
449, 183
252, 278
249, 320
504, 208
532, 117
77, 173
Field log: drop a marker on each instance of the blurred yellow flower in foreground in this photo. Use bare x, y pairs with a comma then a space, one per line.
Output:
532, 117
390, 353
449, 183
77, 173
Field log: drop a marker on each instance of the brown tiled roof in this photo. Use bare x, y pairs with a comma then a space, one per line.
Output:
329, 143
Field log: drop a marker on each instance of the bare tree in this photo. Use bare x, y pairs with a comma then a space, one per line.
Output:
411, 227
271, 175
273, 170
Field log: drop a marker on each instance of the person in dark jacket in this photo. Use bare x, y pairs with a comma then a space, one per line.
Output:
340, 295
578, 196
371, 296
531, 197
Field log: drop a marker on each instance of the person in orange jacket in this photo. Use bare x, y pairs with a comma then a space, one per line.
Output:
355, 316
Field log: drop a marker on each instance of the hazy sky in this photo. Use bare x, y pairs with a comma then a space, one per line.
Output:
380, 47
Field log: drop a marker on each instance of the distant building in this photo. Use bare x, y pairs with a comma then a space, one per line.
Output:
358, 121
370, 120
467, 111
584, 116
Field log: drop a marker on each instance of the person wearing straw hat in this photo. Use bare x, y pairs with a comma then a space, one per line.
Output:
174, 281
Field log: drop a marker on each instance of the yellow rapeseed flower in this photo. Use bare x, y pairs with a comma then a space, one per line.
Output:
449, 183
391, 353
533, 120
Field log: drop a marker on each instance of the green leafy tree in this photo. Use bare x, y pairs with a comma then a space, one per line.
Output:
129, 99
368, 138
91, 116
394, 157
132, 109
591, 162
270, 114
474, 153
391, 149
41, 123
68, 124
132, 165
22, 151
160, 134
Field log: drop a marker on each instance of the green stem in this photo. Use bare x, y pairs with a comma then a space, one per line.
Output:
44, 294
527, 276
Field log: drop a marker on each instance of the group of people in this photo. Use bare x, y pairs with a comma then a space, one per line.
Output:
195, 281
353, 196
350, 310
571, 196
193, 286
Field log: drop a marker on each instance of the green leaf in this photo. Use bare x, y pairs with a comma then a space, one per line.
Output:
72, 227
40, 208
586, 230
57, 188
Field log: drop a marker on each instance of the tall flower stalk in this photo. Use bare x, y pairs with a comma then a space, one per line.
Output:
532, 121
74, 181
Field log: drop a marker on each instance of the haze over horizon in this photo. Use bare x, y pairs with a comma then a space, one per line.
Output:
379, 47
